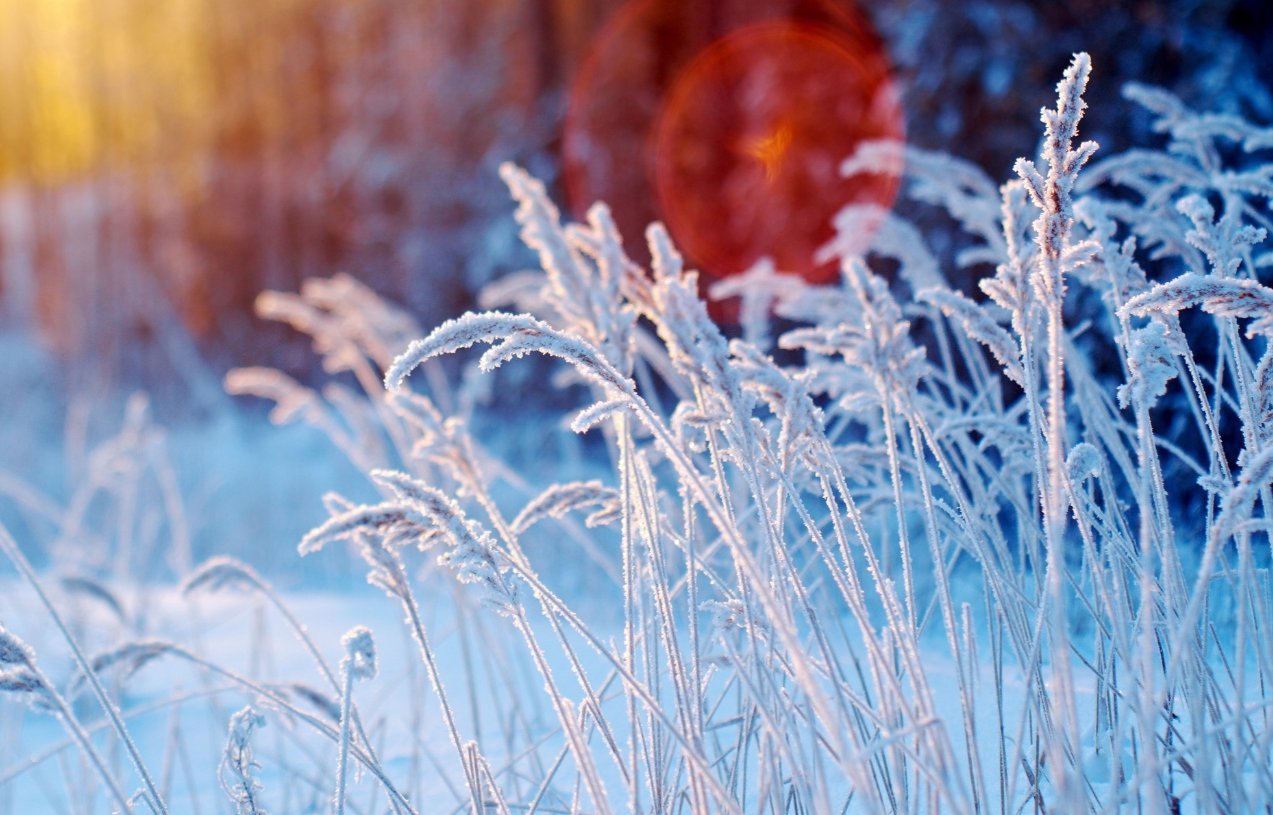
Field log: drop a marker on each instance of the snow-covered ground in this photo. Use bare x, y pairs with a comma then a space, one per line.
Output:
178, 713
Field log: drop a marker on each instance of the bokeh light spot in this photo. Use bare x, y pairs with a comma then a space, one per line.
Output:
731, 127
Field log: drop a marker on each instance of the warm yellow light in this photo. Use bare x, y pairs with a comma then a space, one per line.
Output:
92, 84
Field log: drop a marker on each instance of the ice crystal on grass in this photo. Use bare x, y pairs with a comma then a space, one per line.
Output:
238, 767
21, 682
378, 532
125, 660
1151, 363
880, 344
560, 499
376, 520
360, 653
18, 673
1223, 297
980, 326
510, 336
221, 573
14, 651
1053, 193
1083, 462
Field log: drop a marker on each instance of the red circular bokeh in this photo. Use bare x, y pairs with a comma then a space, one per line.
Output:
728, 121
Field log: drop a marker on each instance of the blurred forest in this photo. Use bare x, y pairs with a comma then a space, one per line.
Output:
163, 161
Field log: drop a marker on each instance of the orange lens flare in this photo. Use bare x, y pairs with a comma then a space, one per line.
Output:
731, 127
769, 149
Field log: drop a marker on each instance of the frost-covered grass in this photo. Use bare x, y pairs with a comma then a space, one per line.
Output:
1005, 552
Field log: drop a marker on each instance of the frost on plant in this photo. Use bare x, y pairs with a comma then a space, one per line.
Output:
933, 561
889, 545
238, 766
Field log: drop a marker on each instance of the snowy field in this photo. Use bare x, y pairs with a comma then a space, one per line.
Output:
178, 711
